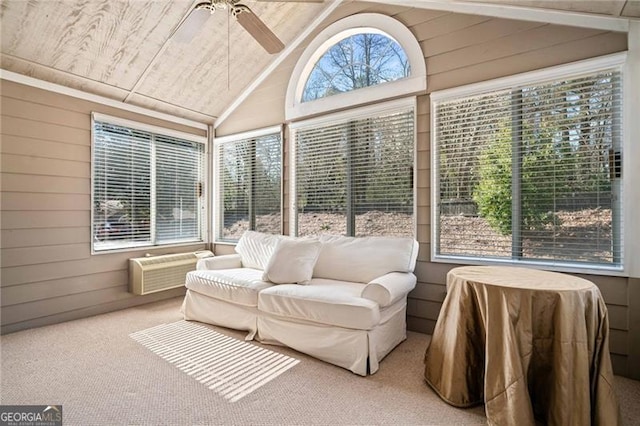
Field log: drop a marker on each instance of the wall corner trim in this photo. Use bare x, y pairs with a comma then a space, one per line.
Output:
633, 363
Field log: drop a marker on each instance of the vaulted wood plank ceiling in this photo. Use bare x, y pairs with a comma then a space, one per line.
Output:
122, 49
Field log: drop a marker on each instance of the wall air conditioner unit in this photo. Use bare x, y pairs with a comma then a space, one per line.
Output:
156, 273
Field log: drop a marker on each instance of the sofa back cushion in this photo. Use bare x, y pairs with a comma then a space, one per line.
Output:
256, 248
362, 259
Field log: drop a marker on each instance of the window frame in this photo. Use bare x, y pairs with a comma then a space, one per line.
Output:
415, 84
352, 114
161, 131
278, 129
565, 71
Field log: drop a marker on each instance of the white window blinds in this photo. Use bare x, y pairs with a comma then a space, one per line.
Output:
179, 172
249, 174
531, 172
146, 188
354, 176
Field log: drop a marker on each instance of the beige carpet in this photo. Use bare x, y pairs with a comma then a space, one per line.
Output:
230, 367
102, 376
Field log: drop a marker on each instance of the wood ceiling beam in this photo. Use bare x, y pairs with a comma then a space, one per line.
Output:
157, 56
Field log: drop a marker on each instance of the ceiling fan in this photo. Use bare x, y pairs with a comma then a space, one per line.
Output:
197, 17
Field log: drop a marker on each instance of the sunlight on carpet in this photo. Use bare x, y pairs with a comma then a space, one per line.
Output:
230, 367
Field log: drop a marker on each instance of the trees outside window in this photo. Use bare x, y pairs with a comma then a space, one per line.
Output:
525, 172
353, 162
354, 176
249, 171
361, 60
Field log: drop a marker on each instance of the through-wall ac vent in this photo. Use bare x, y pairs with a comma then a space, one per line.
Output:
156, 273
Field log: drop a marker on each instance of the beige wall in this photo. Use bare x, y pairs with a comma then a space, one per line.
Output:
462, 49
48, 274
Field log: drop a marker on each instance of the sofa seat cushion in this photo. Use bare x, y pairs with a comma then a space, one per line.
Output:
323, 301
237, 285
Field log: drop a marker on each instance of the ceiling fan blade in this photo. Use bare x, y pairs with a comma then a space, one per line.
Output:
259, 31
191, 25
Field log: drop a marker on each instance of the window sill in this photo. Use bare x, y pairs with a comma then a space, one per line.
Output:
573, 268
145, 247
225, 243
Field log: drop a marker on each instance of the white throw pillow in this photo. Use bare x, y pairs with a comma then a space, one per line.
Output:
292, 261
256, 248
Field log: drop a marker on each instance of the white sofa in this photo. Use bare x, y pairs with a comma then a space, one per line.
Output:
340, 299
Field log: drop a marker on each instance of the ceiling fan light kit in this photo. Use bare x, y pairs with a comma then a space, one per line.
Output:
191, 25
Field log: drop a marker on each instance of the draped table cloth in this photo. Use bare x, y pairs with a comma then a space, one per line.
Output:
526, 343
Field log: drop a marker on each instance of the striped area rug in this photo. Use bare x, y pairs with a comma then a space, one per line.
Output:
230, 367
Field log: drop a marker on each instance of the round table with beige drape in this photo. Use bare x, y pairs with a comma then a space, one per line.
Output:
526, 343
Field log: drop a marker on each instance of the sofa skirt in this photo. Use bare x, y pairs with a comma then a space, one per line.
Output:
391, 331
198, 307
359, 351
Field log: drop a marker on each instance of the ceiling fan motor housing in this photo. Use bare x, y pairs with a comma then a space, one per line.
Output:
213, 5
245, 17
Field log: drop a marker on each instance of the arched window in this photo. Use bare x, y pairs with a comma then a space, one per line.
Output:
357, 61
360, 59
352, 164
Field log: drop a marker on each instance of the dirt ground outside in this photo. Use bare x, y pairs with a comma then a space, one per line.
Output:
583, 235
368, 224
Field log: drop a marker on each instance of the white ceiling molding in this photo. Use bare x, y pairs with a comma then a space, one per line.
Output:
75, 93
559, 17
276, 62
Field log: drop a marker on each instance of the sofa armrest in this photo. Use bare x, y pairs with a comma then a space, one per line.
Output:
389, 288
227, 261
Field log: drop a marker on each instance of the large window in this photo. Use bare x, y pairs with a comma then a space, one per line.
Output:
529, 168
249, 183
147, 185
354, 173
352, 168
